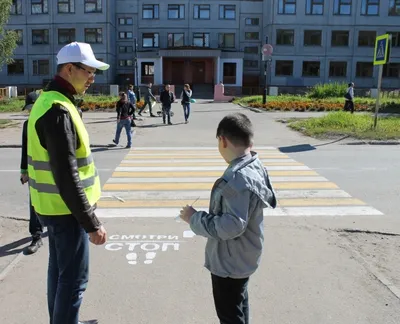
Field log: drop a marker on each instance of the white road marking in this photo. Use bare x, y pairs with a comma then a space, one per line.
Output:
175, 160
208, 168
283, 211
182, 148
210, 180
205, 194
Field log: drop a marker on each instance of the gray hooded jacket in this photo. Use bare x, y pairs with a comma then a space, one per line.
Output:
234, 225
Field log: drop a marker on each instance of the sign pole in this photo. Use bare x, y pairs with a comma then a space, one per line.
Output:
381, 57
378, 95
266, 52
265, 83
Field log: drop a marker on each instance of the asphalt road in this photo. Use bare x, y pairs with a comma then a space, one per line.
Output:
150, 270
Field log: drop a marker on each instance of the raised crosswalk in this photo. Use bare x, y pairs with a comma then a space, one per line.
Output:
158, 181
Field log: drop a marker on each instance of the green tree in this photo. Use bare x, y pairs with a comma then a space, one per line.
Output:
8, 38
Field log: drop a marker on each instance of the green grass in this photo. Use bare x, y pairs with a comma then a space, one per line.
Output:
358, 126
11, 105
327, 90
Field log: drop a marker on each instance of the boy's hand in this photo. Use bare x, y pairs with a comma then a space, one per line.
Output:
24, 178
186, 213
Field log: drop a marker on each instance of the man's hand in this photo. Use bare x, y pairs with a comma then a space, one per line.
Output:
186, 213
24, 178
99, 237
118, 120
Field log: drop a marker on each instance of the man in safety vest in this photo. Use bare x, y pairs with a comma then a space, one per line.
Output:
63, 180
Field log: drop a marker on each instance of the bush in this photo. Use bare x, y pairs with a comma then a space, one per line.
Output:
328, 90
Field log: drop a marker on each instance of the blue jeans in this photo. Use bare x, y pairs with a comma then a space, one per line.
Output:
124, 123
186, 110
68, 271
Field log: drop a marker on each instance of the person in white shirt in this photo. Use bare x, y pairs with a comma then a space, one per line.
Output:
349, 96
186, 95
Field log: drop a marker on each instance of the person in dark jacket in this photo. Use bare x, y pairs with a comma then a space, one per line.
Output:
167, 98
125, 110
35, 228
147, 101
59, 135
186, 95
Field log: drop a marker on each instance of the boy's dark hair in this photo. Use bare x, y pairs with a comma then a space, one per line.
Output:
237, 128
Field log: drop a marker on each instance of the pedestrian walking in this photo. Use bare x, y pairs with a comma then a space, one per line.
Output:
234, 224
125, 112
167, 98
35, 227
148, 96
349, 97
186, 95
63, 180
131, 95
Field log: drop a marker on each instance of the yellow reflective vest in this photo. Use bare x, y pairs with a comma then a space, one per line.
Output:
44, 193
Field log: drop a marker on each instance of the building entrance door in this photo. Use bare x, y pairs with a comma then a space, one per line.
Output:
199, 72
178, 69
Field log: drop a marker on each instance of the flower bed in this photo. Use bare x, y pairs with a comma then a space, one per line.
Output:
95, 105
306, 106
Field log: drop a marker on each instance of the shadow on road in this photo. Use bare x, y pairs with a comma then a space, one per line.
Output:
307, 147
14, 247
100, 122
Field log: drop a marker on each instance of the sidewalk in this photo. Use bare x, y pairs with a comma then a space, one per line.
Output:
100, 125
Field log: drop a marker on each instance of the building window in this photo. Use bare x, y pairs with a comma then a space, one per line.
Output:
311, 68
366, 38
66, 36
17, 67
250, 64
125, 49
147, 68
125, 21
20, 35
284, 68
201, 12
93, 35
227, 12
176, 11
201, 39
370, 7
150, 11
150, 40
16, 7
312, 38
229, 76
338, 69
364, 69
395, 38
287, 7
285, 37
340, 38
125, 35
391, 70
123, 63
176, 40
93, 6
315, 7
40, 36
39, 7
394, 8
226, 40
252, 35
342, 7
66, 6
251, 50
40, 67
252, 21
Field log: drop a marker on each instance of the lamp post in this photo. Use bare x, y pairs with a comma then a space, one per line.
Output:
136, 71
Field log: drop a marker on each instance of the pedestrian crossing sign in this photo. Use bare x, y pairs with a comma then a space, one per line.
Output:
381, 53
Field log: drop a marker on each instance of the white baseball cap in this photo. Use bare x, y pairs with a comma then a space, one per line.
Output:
80, 53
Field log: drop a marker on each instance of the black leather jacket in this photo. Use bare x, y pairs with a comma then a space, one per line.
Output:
57, 134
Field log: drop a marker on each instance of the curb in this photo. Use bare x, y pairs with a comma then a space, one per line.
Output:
256, 110
373, 143
20, 146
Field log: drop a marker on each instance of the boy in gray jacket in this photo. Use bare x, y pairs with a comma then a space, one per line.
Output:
234, 225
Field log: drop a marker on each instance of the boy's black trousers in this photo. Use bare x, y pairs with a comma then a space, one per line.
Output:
231, 299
